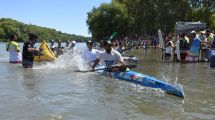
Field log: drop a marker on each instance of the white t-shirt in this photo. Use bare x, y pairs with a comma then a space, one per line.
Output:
90, 56
53, 46
169, 48
110, 59
14, 56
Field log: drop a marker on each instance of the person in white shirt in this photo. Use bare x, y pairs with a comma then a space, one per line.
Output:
66, 48
72, 46
101, 45
14, 50
90, 53
109, 57
53, 47
169, 48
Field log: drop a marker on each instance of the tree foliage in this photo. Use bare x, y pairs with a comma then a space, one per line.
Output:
107, 19
9, 26
144, 17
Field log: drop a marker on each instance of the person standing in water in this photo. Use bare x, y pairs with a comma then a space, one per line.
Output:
53, 47
14, 50
28, 51
168, 48
72, 47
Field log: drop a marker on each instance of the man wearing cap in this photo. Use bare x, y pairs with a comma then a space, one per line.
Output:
53, 47
28, 51
168, 47
90, 53
72, 47
109, 57
193, 54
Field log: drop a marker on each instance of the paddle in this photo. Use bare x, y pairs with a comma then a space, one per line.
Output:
109, 68
112, 36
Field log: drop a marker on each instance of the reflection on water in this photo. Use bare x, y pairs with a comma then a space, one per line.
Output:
54, 91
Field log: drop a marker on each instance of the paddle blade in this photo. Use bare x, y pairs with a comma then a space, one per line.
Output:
112, 36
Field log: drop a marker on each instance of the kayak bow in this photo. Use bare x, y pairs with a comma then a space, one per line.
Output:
148, 81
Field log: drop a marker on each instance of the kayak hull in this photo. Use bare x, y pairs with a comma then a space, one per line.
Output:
47, 55
148, 81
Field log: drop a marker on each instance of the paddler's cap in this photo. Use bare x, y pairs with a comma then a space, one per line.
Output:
193, 32
73, 42
107, 43
89, 41
102, 41
202, 32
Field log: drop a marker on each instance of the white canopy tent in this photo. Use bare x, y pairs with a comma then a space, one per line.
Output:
186, 27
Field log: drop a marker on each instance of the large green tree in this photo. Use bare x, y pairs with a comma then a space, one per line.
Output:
146, 16
108, 18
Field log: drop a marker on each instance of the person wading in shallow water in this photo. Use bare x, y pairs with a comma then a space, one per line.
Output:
109, 57
14, 50
29, 51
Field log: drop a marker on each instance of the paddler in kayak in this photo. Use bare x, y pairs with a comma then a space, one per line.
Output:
90, 53
109, 58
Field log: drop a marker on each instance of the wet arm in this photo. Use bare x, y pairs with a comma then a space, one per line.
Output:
95, 63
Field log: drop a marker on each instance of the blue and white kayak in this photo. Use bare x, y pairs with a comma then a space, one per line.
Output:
149, 81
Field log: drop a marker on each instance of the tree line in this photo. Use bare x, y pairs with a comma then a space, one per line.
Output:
9, 26
145, 17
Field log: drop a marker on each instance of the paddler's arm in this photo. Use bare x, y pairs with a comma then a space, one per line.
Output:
95, 63
120, 60
120, 63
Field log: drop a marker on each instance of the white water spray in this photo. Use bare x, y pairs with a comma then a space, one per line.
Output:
68, 60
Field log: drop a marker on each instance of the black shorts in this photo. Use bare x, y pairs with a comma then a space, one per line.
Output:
27, 63
167, 54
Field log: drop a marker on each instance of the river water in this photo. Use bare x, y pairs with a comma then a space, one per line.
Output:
52, 91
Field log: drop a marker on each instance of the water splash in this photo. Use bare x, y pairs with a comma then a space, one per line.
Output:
147, 90
68, 60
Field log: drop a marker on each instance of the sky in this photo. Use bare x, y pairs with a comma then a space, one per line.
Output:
67, 16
